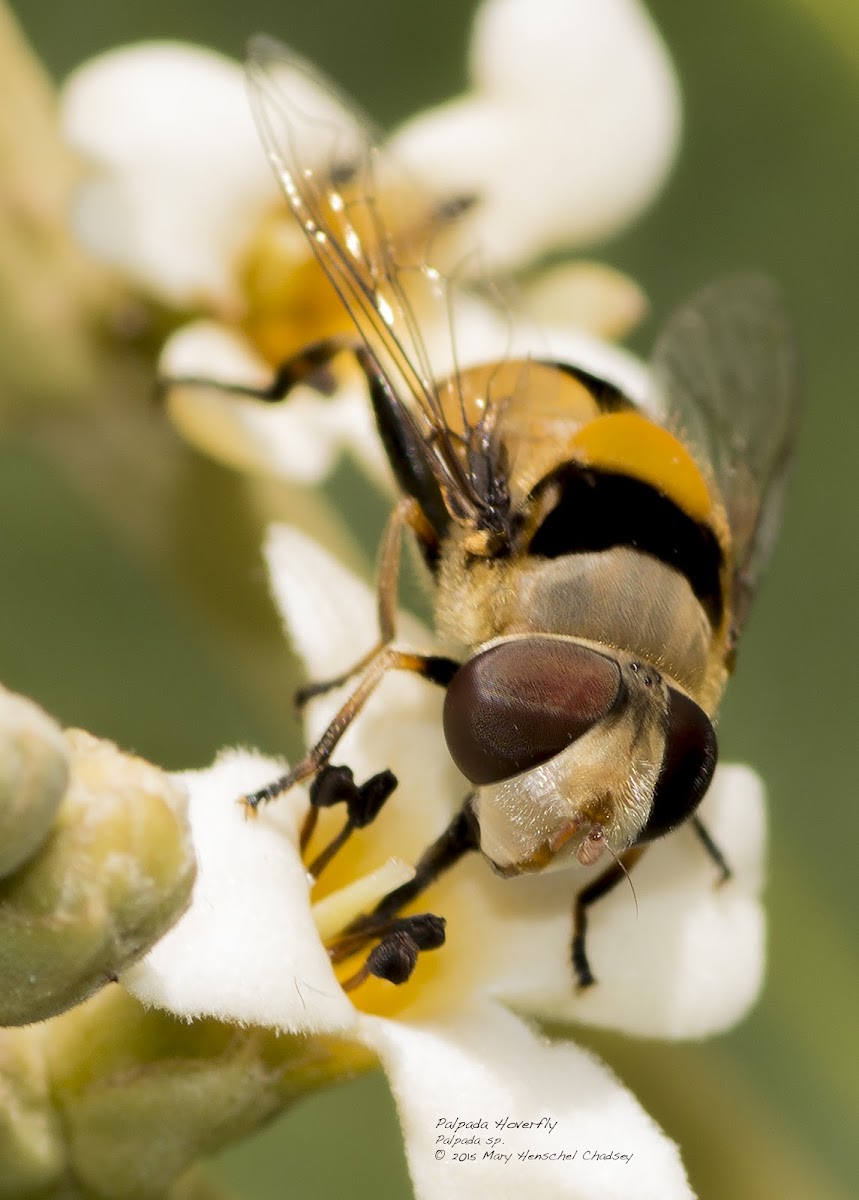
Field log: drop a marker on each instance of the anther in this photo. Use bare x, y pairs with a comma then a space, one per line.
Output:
342, 172
426, 929
453, 207
332, 785
393, 959
363, 805
367, 803
396, 955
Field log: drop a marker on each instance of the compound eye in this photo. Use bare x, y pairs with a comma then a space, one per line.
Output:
520, 703
687, 766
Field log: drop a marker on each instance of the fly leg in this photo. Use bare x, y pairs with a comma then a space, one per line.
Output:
310, 366
712, 850
406, 515
435, 668
609, 879
372, 668
600, 887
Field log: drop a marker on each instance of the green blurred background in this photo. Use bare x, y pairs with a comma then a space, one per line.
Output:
180, 654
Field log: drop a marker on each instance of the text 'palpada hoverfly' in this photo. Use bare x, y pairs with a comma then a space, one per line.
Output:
595, 557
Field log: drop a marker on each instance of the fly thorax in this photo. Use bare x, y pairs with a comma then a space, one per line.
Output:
623, 598
473, 594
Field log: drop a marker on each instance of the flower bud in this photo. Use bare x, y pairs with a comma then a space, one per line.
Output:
33, 777
32, 1142
144, 1094
114, 875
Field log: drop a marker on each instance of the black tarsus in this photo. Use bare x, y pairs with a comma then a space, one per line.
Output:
712, 850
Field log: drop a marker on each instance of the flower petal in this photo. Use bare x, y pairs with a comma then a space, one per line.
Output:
486, 1065
298, 439
247, 949
599, 358
588, 296
328, 612
179, 175
569, 132
475, 332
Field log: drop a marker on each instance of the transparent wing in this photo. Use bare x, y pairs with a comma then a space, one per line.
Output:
372, 231
726, 375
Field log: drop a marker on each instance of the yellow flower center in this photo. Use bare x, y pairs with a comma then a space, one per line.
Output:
347, 888
290, 302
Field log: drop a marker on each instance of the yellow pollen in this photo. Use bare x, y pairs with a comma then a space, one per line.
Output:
289, 301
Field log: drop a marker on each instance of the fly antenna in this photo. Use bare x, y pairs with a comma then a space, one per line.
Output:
617, 858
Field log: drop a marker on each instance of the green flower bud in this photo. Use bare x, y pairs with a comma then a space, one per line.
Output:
33, 776
143, 1094
32, 1146
112, 877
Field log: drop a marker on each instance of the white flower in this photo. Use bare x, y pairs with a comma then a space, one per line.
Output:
685, 961
568, 130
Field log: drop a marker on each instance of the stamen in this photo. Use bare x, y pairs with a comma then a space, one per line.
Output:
393, 959
335, 911
363, 805
333, 785
367, 804
325, 856
396, 956
426, 929
308, 828
461, 837
399, 939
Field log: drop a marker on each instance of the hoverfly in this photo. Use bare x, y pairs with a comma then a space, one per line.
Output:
597, 560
